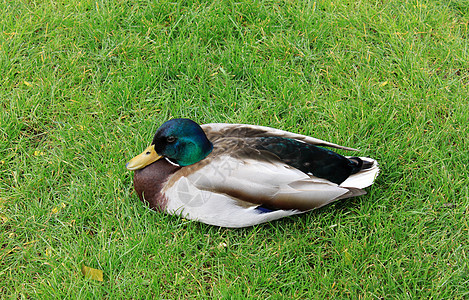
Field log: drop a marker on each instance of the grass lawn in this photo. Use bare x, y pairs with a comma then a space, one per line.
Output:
84, 85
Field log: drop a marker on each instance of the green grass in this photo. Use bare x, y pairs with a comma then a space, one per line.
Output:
84, 85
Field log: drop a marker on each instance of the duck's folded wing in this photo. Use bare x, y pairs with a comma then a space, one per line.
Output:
237, 193
217, 130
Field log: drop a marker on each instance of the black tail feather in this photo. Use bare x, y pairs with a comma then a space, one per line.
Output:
359, 164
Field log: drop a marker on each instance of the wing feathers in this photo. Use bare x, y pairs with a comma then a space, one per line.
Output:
244, 130
273, 184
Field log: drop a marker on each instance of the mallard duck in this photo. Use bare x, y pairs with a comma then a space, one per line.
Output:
236, 175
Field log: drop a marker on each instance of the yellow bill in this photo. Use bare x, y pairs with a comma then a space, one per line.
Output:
143, 159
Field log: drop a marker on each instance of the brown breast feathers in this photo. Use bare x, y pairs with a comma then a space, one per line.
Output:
149, 181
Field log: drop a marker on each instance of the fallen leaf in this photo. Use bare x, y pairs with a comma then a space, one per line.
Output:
348, 257
91, 273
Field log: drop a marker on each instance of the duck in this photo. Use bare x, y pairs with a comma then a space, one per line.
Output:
239, 175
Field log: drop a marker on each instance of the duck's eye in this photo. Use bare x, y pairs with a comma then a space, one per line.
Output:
170, 139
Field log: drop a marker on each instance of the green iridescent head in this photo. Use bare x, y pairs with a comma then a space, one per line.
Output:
182, 141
